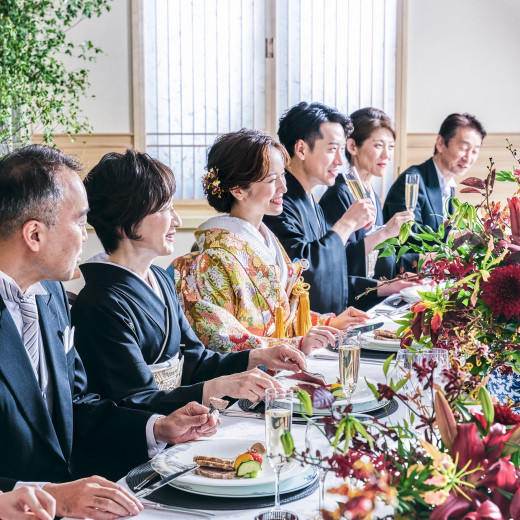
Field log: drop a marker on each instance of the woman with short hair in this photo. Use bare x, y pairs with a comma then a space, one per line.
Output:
133, 338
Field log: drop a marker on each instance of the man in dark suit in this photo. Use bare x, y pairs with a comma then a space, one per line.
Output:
51, 429
315, 137
456, 149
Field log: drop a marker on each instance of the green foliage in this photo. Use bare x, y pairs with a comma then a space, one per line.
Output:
35, 86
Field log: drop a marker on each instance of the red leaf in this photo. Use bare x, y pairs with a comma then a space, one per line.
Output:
469, 190
474, 182
305, 376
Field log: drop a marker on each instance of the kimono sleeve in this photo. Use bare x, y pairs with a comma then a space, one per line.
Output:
211, 292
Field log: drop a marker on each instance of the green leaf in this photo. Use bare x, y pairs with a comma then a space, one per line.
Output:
400, 385
373, 388
487, 405
305, 401
386, 365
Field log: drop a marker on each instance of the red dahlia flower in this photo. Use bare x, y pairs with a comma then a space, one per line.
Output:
502, 291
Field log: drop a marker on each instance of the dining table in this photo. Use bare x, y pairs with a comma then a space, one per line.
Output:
243, 425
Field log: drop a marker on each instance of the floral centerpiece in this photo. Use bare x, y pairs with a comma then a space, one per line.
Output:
475, 310
459, 457
450, 463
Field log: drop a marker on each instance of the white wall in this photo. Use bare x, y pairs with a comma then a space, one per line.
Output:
463, 57
110, 76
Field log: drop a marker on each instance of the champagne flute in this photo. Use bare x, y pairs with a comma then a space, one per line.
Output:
355, 184
358, 190
278, 418
318, 447
349, 359
411, 191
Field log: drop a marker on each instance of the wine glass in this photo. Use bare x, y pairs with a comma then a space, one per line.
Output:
278, 418
411, 191
318, 447
349, 359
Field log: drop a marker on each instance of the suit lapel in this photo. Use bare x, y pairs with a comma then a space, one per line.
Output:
17, 371
433, 192
52, 333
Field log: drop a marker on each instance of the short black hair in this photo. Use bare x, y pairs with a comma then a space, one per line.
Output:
123, 189
455, 121
303, 121
239, 159
29, 186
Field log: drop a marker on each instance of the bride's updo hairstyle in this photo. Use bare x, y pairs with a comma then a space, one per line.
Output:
237, 160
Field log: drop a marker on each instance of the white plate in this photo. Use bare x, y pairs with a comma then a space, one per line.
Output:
304, 478
164, 463
411, 294
371, 343
363, 399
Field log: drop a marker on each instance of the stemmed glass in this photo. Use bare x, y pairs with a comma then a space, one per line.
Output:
414, 389
411, 191
318, 447
278, 419
359, 191
349, 359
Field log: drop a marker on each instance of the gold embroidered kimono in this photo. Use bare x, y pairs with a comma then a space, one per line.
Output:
229, 294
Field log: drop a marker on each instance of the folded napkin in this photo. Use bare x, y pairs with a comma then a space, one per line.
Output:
323, 353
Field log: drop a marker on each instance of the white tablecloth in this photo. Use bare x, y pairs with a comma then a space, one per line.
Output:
243, 428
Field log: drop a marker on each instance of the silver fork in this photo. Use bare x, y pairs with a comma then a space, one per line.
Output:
154, 475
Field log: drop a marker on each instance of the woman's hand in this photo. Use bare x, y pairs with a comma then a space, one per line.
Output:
251, 385
348, 318
318, 337
393, 226
26, 503
281, 357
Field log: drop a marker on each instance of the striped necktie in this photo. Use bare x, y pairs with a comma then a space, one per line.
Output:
29, 312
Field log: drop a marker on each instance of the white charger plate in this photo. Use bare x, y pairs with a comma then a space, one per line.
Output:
363, 399
304, 478
167, 462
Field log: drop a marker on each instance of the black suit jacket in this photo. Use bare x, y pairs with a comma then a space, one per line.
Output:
120, 328
334, 202
304, 233
36, 447
429, 210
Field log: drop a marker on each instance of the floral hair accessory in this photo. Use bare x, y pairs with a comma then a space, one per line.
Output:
211, 183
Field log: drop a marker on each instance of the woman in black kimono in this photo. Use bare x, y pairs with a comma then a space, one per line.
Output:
131, 333
370, 148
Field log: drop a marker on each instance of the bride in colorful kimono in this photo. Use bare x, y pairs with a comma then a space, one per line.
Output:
132, 336
241, 291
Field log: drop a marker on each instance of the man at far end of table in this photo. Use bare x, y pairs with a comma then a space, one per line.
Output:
43, 398
456, 149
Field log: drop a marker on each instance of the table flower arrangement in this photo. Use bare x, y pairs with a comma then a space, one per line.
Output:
457, 457
450, 463
475, 310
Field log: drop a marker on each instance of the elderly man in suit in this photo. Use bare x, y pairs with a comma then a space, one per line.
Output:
456, 150
51, 429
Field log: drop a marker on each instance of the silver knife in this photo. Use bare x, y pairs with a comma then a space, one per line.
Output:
150, 489
365, 328
177, 509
